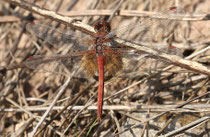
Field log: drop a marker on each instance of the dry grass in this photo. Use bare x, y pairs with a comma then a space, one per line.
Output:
172, 101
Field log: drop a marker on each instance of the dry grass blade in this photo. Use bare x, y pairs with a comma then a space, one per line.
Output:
24, 127
133, 13
5, 19
176, 60
53, 15
152, 108
191, 125
179, 106
62, 89
150, 92
115, 10
66, 107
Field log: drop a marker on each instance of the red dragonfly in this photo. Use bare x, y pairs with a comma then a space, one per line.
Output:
98, 55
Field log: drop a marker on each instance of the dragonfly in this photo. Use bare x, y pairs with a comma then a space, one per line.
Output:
98, 55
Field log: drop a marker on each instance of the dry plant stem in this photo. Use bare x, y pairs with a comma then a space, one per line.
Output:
54, 16
199, 52
176, 60
73, 120
153, 108
165, 126
28, 112
85, 128
188, 126
15, 45
123, 90
191, 56
115, 10
66, 107
17, 105
116, 120
187, 64
23, 128
131, 13
51, 106
179, 106
8, 19
80, 111
132, 117
144, 129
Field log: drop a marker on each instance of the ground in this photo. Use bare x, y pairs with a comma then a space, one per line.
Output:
154, 96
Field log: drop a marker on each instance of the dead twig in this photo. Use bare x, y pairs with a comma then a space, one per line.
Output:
51, 106
130, 13
7, 19
53, 15
179, 106
152, 108
188, 126
115, 10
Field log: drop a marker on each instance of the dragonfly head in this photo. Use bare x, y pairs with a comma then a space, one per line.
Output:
102, 26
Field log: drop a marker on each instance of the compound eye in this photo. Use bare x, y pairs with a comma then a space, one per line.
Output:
102, 26
98, 26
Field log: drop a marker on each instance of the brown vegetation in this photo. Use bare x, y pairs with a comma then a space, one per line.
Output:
168, 101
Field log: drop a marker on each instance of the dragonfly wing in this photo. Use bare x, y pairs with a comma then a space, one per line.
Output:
58, 37
57, 64
152, 30
131, 63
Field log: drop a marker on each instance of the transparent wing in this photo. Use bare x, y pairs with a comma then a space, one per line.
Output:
61, 64
60, 37
119, 62
78, 45
153, 30
128, 62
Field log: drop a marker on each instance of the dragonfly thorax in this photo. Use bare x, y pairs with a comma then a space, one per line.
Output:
99, 45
